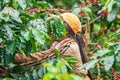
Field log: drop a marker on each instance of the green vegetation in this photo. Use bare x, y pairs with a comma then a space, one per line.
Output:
25, 26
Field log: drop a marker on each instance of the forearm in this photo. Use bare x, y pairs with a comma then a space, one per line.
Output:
22, 58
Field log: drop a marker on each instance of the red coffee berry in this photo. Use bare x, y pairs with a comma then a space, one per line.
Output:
101, 46
82, 12
52, 9
84, 29
94, 2
105, 13
96, 45
105, 31
113, 70
117, 77
112, 29
86, 20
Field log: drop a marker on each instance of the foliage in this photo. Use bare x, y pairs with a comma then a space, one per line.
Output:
25, 26
56, 27
59, 72
103, 25
54, 69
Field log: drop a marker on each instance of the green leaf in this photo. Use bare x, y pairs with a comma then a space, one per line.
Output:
22, 3
71, 59
76, 11
58, 28
57, 53
35, 75
110, 5
15, 4
107, 2
117, 48
48, 76
87, 11
27, 76
61, 63
63, 69
46, 35
11, 46
112, 15
6, 1
39, 36
28, 49
89, 64
34, 47
42, 70
43, 4
100, 53
18, 69
27, 35
7, 79
1, 40
61, 66
2, 17
97, 27
108, 62
39, 23
118, 57
9, 31
9, 53
50, 68
14, 14
67, 76
69, 66
75, 77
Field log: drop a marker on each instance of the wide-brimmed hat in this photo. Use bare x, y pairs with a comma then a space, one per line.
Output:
73, 21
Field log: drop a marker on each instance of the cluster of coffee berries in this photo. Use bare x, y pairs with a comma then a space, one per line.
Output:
33, 10
53, 9
116, 75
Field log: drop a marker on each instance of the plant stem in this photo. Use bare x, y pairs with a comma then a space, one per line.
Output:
95, 19
98, 67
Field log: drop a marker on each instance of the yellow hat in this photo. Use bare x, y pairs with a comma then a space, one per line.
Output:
73, 21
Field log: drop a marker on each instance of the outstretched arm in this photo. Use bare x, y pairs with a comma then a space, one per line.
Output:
22, 58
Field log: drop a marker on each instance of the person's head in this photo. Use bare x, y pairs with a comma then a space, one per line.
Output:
72, 24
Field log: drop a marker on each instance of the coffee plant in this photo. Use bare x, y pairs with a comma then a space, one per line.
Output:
26, 25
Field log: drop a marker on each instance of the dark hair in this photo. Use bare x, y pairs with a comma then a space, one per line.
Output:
69, 30
79, 40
